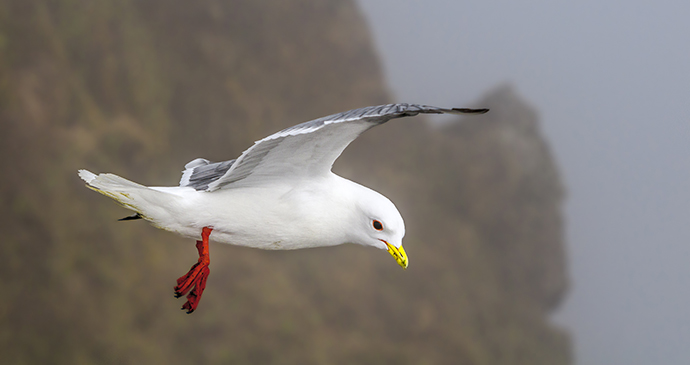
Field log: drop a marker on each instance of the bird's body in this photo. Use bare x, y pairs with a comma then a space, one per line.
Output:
280, 194
281, 216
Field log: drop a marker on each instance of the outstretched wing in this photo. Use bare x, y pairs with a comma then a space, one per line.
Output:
304, 150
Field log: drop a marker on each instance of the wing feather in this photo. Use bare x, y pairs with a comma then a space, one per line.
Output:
300, 151
200, 172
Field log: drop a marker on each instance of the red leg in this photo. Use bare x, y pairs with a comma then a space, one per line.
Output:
195, 279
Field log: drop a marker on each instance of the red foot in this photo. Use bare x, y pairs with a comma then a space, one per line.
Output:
197, 275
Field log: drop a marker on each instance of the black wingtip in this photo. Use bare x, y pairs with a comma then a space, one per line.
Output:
131, 217
470, 111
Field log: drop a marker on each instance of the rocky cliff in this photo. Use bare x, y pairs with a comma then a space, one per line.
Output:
139, 88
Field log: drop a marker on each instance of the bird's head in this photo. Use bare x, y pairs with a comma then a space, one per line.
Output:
381, 225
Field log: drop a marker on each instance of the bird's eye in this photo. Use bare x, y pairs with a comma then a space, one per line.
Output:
377, 225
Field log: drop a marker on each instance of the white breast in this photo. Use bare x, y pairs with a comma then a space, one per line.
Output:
279, 216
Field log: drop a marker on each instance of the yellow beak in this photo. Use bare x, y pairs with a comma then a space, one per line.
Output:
398, 254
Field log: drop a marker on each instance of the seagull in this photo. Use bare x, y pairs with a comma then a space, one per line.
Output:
280, 194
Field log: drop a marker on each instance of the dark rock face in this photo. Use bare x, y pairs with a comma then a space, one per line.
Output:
139, 88
525, 227
482, 200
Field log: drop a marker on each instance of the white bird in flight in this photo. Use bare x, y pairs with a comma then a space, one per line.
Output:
280, 194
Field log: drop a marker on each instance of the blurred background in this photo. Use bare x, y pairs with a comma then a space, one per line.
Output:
611, 82
139, 88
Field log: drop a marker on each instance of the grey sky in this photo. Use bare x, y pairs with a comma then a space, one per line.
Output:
611, 80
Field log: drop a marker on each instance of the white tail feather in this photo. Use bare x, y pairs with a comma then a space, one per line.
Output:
148, 202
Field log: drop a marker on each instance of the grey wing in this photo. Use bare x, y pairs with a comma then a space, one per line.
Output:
199, 173
304, 150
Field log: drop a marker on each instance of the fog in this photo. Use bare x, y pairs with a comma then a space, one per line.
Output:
611, 80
